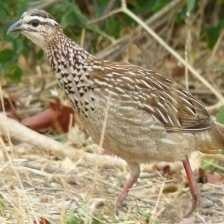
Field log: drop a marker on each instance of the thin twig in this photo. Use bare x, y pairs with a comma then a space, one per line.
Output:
111, 13
42, 4
153, 217
109, 7
219, 157
123, 41
106, 113
82, 38
187, 48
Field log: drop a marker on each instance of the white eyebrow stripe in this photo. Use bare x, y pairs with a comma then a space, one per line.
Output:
28, 18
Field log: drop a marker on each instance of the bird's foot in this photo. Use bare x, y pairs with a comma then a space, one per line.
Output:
133, 177
193, 187
120, 201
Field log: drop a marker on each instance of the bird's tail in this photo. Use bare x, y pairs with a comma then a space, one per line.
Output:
212, 140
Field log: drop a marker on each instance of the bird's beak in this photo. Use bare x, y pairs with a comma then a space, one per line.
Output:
15, 27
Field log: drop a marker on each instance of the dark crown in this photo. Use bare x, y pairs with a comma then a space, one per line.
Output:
37, 12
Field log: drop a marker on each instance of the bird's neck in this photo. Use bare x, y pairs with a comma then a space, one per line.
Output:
66, 56
72, 65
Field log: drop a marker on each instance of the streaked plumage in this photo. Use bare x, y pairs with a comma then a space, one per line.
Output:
148, 117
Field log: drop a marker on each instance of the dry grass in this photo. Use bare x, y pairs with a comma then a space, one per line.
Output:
34, 184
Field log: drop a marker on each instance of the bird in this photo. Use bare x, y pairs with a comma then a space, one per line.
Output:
136, 113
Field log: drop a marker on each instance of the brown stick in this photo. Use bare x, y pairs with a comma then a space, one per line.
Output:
13, 129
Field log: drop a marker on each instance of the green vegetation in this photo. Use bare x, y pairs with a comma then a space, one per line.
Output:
73, 218
2, 205
81, 218
212, 165
220, 115
75, 16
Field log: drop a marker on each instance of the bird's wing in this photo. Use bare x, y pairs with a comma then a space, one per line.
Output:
173, 106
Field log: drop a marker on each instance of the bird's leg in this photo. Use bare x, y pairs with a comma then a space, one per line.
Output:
192, 184
131, 180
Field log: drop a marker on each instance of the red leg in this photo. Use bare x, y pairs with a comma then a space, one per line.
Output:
193, 186
131, 180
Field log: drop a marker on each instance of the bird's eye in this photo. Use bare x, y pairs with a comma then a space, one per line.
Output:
35, 22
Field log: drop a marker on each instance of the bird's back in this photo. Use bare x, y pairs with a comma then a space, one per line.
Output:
139, 113
134, 112
142, 90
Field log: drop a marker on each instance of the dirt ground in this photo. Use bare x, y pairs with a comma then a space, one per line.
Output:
34, 185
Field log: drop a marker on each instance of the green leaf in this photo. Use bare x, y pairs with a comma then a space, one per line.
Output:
68, 19
113, 27
73, 16
158, 4
6, 55
220, 115
73, 219
15, 73
3, 12
149, 6
2, 205
212, 36
212, 33
100, 6
39, 54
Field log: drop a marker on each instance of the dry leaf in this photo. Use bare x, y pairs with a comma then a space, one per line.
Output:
57, 116
42, 221
205, 176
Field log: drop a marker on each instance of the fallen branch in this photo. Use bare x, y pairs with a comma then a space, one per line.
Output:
13, 129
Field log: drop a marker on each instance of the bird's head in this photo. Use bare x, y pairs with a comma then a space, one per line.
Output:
37, 25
